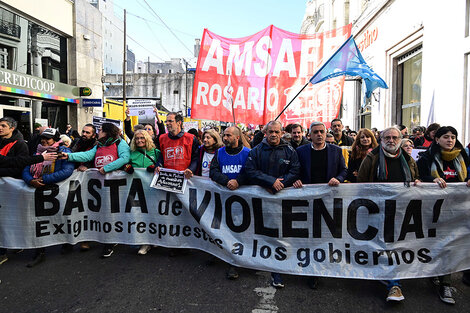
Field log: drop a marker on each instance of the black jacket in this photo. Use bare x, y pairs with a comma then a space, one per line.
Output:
303, 142
19, 149
427, 158
19, 161
266, 163
345, 140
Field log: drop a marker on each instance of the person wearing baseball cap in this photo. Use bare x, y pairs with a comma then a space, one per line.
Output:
47, 173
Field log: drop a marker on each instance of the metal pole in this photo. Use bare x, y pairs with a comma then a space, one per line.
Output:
124, 63
186, 87
292, 100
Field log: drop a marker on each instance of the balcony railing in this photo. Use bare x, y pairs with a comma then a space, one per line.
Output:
10, 29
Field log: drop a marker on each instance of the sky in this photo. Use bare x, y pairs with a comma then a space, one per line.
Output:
148, 36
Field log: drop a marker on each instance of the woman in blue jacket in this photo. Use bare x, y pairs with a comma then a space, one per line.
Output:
47, 172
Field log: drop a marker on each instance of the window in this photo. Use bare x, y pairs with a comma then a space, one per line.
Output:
6, 57
409, 70
170, 71
175, 92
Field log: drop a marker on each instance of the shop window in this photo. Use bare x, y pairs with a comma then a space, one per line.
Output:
409, 70
6, 57
365, 115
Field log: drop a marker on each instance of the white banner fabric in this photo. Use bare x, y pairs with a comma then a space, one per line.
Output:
369, 231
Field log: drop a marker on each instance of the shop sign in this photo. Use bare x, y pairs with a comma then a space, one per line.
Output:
92, 103
19, 83
368, 38
85, 91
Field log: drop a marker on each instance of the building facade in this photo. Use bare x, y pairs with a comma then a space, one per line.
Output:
420, 48
113, 36
45, 57
174, 89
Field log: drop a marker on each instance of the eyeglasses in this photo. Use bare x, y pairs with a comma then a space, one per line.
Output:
321, 131
389, 138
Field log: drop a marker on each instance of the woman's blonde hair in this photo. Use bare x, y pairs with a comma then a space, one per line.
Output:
214, 134
149, 145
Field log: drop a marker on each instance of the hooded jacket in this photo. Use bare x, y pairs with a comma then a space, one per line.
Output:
266, 163
20, 148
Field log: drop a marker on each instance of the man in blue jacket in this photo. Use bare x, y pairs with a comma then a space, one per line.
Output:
320, 163
274, 165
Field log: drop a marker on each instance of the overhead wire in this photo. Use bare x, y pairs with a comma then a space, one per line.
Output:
171, 31
154, 22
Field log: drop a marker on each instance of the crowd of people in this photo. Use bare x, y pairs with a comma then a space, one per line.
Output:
273, 157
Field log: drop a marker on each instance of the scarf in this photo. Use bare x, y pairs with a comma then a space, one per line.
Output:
382, 171
38, 169
453, 156
103, 142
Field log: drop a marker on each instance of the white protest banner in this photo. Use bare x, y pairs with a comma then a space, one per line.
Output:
98, 121
415, 153
367, 231
141, 107
188, 125
169, 180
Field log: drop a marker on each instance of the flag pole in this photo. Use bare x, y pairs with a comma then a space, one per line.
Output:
316, 73
292, 100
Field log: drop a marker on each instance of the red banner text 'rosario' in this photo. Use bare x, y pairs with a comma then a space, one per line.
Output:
261, 73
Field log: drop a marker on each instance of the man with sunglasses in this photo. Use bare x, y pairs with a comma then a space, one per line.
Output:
320, 163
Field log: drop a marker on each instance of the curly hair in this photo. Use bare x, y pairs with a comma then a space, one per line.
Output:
149, 145
358, 151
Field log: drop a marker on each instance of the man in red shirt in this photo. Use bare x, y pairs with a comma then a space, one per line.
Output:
179, 149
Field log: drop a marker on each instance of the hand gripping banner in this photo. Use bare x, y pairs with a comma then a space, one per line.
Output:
368, 231
260, 74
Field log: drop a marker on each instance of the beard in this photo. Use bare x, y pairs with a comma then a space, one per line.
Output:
389, 148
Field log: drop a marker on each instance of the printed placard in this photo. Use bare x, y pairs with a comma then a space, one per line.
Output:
169, 180
141, 107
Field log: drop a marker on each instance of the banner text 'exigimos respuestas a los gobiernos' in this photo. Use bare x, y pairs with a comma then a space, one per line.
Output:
371, 231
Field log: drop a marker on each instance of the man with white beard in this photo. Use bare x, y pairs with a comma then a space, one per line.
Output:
389, 163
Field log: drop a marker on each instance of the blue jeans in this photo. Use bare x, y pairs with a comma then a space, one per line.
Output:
392, 283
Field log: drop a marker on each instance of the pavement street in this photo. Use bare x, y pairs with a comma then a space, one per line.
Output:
127, 282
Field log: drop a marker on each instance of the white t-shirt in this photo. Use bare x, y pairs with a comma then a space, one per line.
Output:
206, 164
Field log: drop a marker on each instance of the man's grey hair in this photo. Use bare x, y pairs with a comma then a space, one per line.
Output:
274, 123
390, 128
316, 124
10, 121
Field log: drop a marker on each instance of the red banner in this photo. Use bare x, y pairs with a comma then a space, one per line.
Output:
259, 74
